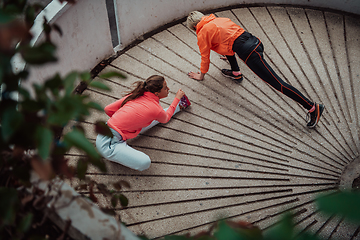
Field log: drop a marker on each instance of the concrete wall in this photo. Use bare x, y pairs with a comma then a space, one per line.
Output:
86, 36
137, 17
85, 41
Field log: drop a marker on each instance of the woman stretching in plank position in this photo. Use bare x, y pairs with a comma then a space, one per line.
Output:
226, 38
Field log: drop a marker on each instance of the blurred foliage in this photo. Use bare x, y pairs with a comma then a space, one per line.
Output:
32, 121
343, 204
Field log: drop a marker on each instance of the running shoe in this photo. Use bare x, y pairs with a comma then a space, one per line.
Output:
229, 73
313, 117
184, 102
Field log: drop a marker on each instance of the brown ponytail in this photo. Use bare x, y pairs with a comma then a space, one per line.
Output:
153, 84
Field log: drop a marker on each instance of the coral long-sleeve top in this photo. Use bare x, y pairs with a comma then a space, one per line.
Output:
137, 114
217, 34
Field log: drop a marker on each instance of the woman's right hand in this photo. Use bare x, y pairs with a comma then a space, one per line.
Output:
180, 93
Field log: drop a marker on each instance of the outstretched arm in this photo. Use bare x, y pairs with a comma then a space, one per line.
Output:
204, 43
163, 116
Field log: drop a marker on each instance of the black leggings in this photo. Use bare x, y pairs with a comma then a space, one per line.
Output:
250, 49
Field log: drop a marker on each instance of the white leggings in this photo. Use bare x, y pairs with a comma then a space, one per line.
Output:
116, 150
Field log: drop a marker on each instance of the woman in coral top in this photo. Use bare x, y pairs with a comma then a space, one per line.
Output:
226, 38
133, 114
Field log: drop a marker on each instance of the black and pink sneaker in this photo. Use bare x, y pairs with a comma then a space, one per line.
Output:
313, 117
184, 102
229, 74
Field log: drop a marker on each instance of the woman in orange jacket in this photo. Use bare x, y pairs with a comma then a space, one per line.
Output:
226, 38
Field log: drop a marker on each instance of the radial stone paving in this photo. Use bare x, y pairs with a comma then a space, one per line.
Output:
242, 151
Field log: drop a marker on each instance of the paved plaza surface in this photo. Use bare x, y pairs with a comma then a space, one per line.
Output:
242, 151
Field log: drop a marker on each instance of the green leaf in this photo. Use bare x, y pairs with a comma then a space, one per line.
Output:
38, 7
46, 29
95, 105
103, 129
85, 76
23, 173
225, 232
40, 93
6, 17
11, 120
99, 85
25, 93
54, 84
9, 202
67, 108
345, 204
44, 138
77, 139
112, 74
57, 28
117, 186
108, 211
284, 230
81, 169
69, 82
114, 200
124, 183
142, 237
40, 54
103, 189
123, 200
98, 163
15, 6
25, 223
5, 67
30, 14
1, 73
23, 74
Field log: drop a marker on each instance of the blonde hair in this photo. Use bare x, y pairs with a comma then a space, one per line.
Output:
193, 19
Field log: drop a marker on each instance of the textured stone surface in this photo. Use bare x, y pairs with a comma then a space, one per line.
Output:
242, 151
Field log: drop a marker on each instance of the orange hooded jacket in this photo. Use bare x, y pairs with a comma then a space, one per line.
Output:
217, 34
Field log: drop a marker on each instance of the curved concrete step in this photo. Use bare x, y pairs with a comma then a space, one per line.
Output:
242, 151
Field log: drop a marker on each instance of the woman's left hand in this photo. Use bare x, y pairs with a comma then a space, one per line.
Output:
197, 76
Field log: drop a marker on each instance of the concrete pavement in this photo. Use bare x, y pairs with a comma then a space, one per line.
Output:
242, 151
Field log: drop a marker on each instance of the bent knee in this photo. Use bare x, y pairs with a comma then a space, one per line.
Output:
144, 163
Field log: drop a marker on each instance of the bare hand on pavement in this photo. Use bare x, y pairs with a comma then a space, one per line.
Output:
197, 76
180, 93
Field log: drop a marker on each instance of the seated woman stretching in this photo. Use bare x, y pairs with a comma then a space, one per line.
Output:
133, 114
